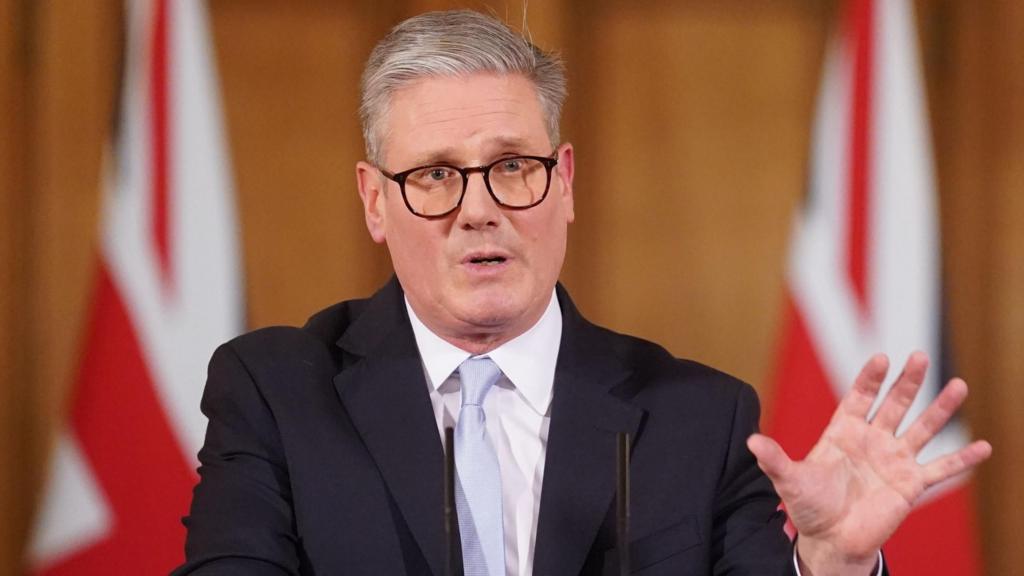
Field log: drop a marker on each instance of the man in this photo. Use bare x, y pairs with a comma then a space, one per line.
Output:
324, 455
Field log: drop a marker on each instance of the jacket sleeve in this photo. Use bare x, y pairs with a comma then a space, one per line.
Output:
747, 534
241, 520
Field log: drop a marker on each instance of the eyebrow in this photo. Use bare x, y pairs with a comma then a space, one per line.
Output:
497, 146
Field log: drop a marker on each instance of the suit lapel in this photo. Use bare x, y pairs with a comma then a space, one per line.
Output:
579, 470
386, 397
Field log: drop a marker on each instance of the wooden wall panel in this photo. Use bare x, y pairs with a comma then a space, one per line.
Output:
977, 76
1005, 282
289, 74
689, 162
13, 291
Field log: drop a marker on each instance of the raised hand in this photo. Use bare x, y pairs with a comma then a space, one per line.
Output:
860, 480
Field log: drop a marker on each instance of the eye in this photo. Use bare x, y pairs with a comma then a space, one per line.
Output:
510, 165
433, 175
438, 173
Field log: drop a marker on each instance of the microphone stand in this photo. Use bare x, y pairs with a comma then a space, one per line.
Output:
451, 521
622, 503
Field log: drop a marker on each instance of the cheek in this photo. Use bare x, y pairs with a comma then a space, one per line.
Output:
415, 247
548, 239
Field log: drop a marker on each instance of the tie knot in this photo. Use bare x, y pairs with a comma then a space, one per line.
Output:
477, 375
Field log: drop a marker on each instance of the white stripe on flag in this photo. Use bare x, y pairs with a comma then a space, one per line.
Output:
179, 331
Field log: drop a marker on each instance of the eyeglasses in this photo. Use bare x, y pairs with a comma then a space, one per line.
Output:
436, 190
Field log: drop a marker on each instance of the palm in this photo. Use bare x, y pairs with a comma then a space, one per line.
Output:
854, 478
860, 480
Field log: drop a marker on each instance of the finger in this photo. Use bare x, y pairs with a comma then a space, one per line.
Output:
772, 459
935, 416
958, 462
902, 393
859, 399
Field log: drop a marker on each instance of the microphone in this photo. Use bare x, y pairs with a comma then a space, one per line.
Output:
622, 503
451, 520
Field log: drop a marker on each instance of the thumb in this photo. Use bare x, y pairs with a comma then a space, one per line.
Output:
771, 458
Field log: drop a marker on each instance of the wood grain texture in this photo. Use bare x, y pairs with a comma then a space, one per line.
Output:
290, 100
690, 161
14, 381
977, 84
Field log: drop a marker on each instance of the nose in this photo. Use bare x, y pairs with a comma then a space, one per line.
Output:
478, 209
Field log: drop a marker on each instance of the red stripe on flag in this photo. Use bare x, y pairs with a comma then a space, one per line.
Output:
860, 20
129, 444
803, 399
939, 537
160, 140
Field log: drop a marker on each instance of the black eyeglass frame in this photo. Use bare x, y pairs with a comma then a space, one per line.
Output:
549, 162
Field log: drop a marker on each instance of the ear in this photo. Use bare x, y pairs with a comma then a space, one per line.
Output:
371, 191
564, 172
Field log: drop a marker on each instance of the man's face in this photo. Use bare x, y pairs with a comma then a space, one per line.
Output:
470, 121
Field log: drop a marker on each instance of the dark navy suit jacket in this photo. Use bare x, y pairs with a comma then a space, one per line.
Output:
322, 457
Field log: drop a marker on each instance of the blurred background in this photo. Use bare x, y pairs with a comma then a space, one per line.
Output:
691, 121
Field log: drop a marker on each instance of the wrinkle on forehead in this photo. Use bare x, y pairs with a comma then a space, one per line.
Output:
454, 114
442, 122
436, 110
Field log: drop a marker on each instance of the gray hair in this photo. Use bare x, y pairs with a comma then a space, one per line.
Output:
454, 43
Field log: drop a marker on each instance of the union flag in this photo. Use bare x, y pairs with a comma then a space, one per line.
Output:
167, 291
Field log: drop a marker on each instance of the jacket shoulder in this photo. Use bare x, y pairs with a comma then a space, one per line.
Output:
675, 387
329, 324
652, 358
312, 343
652, 366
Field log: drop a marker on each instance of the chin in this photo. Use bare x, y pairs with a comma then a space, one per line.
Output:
491, 316
492, 310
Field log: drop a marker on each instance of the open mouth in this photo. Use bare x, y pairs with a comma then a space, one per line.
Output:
487, 260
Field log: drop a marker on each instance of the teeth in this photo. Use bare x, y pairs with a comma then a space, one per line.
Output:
487, 261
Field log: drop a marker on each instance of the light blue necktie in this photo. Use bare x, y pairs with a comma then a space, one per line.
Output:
478, 489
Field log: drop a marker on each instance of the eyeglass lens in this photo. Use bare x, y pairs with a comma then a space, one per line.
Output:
515, 182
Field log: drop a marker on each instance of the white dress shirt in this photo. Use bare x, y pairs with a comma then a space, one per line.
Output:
878, 569
518, 417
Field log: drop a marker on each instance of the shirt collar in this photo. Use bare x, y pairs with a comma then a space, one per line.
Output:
528, 360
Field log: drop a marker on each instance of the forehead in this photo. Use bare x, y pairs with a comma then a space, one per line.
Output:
464, 118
